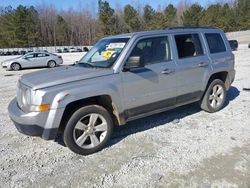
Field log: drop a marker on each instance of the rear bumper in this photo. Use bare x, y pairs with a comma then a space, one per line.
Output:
42, 124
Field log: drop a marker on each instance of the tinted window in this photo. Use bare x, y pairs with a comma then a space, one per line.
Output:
188, 45
153, 50
29, 56
215, 43
41, 55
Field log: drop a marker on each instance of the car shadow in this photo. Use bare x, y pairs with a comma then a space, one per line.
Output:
174, 116
147, 123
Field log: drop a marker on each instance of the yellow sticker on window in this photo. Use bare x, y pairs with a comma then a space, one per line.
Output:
108, 54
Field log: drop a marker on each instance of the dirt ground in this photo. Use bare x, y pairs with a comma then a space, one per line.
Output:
185, 147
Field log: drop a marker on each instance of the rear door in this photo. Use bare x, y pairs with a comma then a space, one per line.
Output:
193, 63
42, 59
152, 87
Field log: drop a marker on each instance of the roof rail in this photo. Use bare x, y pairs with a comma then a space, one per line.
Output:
191, 27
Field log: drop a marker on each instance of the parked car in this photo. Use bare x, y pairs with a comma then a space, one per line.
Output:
8, 53
249, 45
72, 50
79, 50
65, 50
33, 59
38, 50
233, 44
22, 52
59, 50
15, 53
123, 78
85, 49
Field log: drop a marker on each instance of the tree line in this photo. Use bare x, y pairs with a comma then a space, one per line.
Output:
46, 26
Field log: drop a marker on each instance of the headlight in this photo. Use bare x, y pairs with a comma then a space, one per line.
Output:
26, 96
4, 63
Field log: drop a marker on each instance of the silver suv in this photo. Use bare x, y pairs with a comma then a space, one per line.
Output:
123, 78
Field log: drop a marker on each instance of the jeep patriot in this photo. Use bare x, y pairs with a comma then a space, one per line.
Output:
123, 78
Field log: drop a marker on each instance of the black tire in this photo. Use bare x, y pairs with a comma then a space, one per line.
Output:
69, 134
208, 98
51, 64
15, 66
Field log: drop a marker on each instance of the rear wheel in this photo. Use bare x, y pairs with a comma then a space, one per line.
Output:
88, 130
51, 64
214, 98
15, 66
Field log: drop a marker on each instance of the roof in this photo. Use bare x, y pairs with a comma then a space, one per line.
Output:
163, 31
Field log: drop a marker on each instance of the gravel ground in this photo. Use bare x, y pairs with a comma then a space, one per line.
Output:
185, 147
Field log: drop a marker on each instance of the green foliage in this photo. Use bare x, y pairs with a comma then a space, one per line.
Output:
24, 26
131, 18
220, 16
148, 14
62, 31
106, 18
192, 16
170, 16
243, 14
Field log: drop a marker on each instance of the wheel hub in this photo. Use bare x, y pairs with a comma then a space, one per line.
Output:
90, 130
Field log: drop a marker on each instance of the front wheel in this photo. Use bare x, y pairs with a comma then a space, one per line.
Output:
88, 130
214, 98
15, 66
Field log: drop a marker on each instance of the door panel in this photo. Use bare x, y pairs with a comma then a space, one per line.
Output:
192, 66
41, 59
29, 60
152, 87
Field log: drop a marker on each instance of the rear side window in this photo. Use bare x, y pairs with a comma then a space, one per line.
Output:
215, 43
188, 45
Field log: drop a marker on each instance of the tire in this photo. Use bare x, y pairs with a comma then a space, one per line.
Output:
88, 130
51, 64
15, 66
214, 97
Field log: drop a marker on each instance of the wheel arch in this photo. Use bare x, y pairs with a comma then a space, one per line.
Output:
222, 75
16, 63
101, 100
51, 60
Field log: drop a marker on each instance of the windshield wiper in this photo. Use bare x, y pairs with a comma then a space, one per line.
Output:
86, 64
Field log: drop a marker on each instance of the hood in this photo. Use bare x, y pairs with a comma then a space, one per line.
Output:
61, 75
9, 60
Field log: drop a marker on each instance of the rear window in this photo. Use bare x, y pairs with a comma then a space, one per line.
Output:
215, 43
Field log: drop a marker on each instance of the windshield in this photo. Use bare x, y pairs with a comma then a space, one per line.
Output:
104, 53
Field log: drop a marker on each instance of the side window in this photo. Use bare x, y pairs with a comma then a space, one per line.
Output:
41, 55
28, 56
188, 45
153, 50
215, 43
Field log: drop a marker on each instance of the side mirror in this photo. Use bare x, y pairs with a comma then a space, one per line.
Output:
134, 62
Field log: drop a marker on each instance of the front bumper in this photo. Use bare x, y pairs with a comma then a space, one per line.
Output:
34, 123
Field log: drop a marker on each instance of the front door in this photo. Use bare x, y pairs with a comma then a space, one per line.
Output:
152, 87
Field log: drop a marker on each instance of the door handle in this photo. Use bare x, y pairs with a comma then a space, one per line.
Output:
202, 64
168, 71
